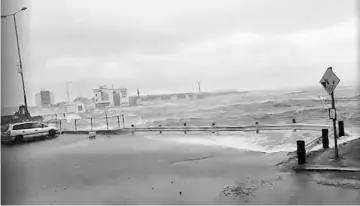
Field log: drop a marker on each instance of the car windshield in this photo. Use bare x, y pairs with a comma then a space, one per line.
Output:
4, 128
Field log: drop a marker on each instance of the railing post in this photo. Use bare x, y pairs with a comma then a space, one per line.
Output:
301, 152
123, 119
160, 127
91, 123
107, 123
294, 122
185, 128
325, 138
341, 129
257, 129
118, 119
132, 129
75, 126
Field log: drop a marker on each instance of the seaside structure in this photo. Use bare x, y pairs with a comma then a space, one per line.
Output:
75, 107
107, 97
44, 99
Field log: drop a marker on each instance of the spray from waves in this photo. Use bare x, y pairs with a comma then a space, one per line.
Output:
264, 143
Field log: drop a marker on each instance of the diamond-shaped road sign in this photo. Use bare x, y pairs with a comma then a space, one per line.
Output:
329, 81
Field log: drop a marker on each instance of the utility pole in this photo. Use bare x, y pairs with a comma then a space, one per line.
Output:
20, 62
67, 90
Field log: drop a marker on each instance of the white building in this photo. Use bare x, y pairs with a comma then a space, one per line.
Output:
106, 97
75, 107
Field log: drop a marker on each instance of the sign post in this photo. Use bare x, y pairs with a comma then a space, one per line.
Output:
329, 81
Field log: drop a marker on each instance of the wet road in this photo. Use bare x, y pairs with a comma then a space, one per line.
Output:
134, 170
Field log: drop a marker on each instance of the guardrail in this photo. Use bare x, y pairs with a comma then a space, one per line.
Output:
89, 124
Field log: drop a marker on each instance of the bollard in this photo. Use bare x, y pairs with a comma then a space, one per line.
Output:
118, 119
92, 135
325, 138
160, 130
91, 123
341, 129
213, 125
257, 130
75, 125
301, 152
185, 128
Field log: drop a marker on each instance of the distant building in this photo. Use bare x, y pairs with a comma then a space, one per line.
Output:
44, 99
106, 97
75, 107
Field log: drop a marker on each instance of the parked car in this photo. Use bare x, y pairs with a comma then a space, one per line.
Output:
25, 131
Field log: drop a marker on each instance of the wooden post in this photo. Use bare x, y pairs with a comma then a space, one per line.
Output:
341, 129
91, 123
301, 152
107, 123
118, 119
160, 130
75, 125
257, 129
325, 138
185, 127
132, 130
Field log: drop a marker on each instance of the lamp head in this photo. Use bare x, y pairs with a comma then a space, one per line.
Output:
24, 8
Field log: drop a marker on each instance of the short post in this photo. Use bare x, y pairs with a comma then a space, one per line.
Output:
301, 152
91, 123
294, 122
257, 129
325, 138
341, 129
185, 127
60, 124
132, 129
160, 130
123, 119
213, 125
118, 119
75, 125
64, 114
107, 123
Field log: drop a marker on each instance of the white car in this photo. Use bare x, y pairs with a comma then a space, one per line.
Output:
23, 131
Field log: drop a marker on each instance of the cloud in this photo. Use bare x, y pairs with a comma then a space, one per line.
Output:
169, 45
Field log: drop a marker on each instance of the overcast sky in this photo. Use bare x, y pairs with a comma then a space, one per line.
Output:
167, 45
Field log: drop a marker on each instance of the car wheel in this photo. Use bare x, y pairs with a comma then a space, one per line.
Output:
18, 139
52, 133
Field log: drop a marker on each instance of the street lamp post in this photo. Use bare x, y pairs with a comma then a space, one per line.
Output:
20, 62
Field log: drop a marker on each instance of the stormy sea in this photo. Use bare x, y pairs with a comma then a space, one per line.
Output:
235, 109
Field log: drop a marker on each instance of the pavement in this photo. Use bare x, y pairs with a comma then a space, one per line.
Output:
132, 169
